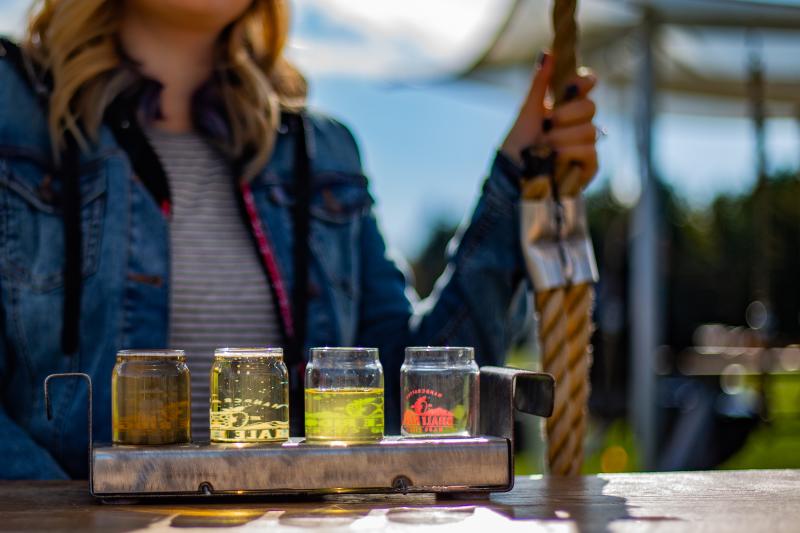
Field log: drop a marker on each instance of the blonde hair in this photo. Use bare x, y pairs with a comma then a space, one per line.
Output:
75, 42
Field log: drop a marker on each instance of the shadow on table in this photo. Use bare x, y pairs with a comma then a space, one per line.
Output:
582, 502
579, 500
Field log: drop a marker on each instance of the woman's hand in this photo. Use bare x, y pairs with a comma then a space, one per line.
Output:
568, 129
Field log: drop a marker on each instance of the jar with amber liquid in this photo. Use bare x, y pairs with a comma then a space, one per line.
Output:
249, 395
150, 398
344, 396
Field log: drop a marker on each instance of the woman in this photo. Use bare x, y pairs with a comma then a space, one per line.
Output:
156, 169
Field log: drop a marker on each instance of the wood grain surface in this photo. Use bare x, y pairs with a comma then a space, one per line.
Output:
752, 501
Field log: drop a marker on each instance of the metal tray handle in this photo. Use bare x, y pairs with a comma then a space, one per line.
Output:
49, 409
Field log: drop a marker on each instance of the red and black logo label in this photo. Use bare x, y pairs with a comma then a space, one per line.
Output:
423, 413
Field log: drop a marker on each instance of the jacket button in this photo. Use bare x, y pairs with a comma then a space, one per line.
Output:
346, 286
313, 290
45, 189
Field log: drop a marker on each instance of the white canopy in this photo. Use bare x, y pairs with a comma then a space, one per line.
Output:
703, 47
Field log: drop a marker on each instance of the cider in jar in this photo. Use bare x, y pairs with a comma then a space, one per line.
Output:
249, 396
344, 396
150, 400
348, 415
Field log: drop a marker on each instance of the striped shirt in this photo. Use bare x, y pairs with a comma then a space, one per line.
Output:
220, 294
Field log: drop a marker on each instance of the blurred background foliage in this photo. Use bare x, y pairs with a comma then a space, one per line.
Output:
708, 277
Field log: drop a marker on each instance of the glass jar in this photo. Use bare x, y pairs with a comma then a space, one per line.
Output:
150, 398
249, 395
440, 392
344, 395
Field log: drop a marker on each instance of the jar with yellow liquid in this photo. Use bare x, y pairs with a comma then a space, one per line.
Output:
150, 399
344, 396
249, 395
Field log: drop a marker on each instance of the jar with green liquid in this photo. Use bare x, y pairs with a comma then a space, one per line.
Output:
344, 396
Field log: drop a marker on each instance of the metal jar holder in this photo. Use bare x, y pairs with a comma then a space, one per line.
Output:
392, 465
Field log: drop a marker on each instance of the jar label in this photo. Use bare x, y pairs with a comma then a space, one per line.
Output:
424, 412
241, 420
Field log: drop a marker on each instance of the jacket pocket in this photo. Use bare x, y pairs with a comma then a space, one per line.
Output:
338, 206
31, 223
336, 197
338, 203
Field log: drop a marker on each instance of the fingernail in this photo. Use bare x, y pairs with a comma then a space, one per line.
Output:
570, 92
542, 58
547, 125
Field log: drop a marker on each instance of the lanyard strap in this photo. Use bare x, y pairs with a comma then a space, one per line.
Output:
302, 222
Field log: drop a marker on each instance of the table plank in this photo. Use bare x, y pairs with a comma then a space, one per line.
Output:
753, 500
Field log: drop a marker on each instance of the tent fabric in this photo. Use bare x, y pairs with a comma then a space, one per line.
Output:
703, 48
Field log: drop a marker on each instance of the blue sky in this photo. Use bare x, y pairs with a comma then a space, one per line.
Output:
427, 147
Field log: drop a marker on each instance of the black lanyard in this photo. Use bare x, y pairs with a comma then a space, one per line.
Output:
301, 215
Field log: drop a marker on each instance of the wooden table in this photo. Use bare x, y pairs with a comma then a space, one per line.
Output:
756, 500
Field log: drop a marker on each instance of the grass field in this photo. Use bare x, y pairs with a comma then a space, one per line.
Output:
776, 442
611, 447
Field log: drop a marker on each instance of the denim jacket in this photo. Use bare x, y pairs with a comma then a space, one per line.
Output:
357, 295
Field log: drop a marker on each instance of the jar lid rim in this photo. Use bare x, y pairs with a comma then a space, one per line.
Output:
440, 349
344, 349
155, 353
248, 351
